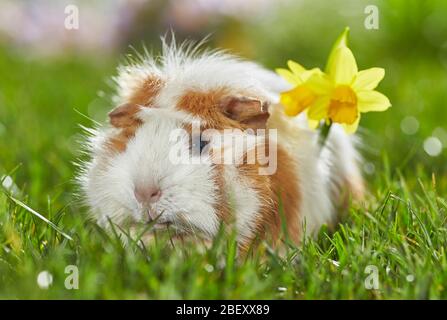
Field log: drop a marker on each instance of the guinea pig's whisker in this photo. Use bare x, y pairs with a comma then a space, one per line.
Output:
191, 227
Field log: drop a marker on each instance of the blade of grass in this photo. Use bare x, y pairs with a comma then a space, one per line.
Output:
32, 211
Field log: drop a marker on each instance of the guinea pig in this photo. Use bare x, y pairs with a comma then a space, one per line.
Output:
162, 157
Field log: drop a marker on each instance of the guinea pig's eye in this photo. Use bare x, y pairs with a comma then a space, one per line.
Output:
198, 143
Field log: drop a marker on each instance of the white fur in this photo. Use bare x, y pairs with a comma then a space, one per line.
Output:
189, 192
183, 68
244, 203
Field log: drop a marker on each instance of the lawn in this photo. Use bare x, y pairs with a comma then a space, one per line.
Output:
400, 230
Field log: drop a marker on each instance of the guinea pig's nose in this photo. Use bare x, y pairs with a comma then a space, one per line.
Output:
147, 194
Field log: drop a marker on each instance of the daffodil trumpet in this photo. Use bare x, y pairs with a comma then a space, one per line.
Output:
339, 95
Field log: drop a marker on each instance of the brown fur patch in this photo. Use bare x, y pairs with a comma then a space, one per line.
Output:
285, 183
118, 142
146, 93
280, 198
206, 105
222, 205
127, 122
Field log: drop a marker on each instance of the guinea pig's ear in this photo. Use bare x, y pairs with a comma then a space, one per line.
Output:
251, 112
124, 115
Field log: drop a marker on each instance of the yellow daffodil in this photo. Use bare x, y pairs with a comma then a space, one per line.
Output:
344, 92
300, 97
338, 95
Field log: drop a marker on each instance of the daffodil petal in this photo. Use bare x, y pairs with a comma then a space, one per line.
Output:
295, 67
297, 100
368, 79
291, 108
306, 75
289, 76
343, 67
313, 124
351, 128
318, 110
372, 101
342, 41
319, 83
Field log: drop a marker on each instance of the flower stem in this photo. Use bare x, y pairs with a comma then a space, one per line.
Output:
324, 133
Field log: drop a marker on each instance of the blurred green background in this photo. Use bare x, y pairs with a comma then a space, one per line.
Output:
50, 76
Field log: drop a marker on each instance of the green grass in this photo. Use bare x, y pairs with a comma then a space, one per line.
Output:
402, 234
400, 229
